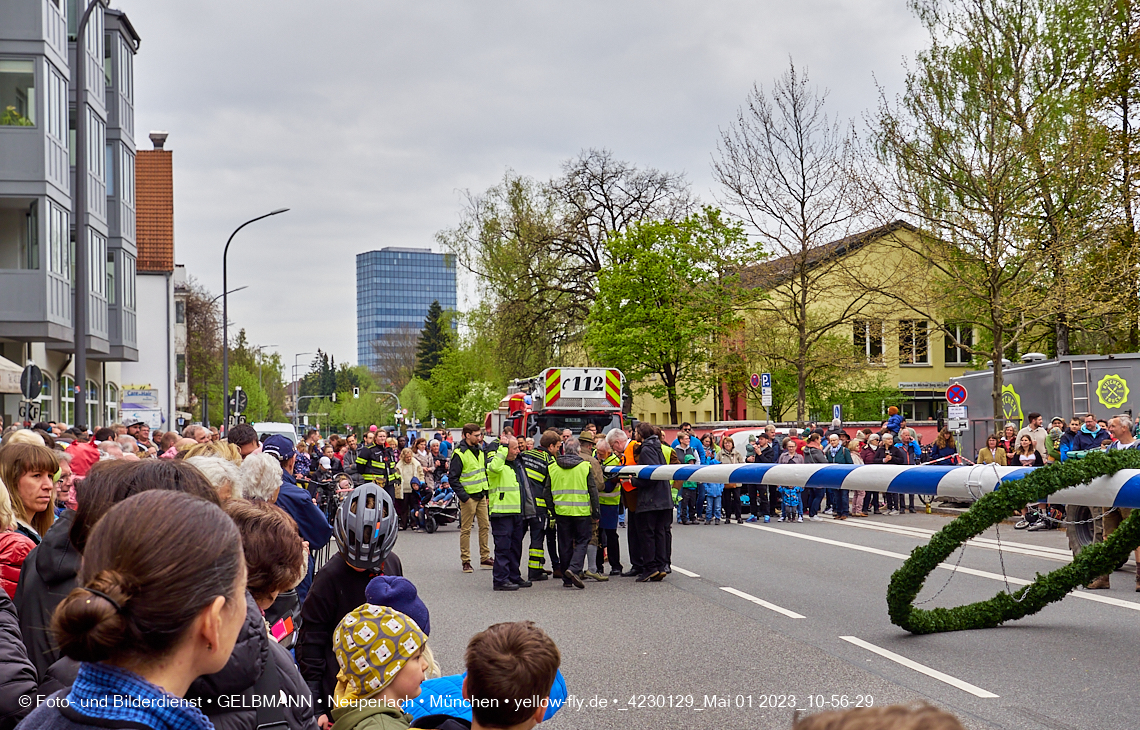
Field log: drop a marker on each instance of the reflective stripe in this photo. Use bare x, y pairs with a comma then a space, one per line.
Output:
610, 498
569, 488
473, 478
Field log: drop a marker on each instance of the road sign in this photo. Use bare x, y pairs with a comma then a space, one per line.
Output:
956, 418
956, 394
240, 400
765, 389
31, 382
755, 380
837, 412
404, 411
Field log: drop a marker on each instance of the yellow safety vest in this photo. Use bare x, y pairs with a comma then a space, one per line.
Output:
570, 490
506, 496
473, 478
614, 497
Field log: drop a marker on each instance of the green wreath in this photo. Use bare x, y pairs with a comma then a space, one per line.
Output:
1094, 560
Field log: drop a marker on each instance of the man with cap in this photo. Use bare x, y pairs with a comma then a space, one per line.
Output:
141, 432
311, 522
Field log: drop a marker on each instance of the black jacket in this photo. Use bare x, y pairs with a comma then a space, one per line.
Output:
240, 676
898, 456
652, 494
17, 675
49, 574
814, 455
337, 589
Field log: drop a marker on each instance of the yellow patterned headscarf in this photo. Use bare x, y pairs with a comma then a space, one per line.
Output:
372, 644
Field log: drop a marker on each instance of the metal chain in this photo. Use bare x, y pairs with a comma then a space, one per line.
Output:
953, 572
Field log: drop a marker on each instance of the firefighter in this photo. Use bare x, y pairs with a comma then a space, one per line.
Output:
512, 508
537, 462
574, 499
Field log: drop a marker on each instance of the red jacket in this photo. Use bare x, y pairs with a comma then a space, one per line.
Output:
85, 456
14, 548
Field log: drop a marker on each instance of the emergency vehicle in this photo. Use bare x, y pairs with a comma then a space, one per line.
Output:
560, 398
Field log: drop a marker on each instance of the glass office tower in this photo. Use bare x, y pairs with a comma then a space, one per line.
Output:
394, 288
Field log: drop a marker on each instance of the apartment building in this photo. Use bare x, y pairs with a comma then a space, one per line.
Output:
39, 66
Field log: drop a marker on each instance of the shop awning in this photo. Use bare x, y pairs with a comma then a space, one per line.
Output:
9, 376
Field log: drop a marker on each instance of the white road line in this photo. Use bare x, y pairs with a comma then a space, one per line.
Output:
761, 602
1132, 605
682, 571
911, 664
1021, 548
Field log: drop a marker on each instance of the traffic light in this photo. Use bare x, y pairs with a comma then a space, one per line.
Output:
334, 397
356, 392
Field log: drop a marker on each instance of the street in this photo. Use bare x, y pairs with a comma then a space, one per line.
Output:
795, 615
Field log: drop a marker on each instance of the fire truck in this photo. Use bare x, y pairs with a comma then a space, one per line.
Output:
560, 398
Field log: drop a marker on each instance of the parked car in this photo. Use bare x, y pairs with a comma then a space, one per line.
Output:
280, 429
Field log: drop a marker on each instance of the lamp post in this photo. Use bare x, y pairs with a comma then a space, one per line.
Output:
259, 348
82, 242
225, 319
294, 374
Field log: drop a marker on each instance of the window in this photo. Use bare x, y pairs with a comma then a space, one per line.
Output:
110, 161
17, 93
180, 312
180, 367
111, 299
868, 338
31, 257
128, 281
97, 256
71, 127
914, 341
127, 176
96, 140
58, 233
107, 58
111, 404
67, 400
56, 104
963, 333
126, 70
45, 399
93, 419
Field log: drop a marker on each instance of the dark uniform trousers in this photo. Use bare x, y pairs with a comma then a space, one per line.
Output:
508, 532
573, 538
633, 536
653, 529
541, 529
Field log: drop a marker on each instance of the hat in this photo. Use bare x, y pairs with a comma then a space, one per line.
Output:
444, 479
137, 422
280, 447
588, 437
399, 593
1058, 418
326, 462
372, 644
690, 457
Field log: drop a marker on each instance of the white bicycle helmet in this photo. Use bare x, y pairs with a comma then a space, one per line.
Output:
366, 527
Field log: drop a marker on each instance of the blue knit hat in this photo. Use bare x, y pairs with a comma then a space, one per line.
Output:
399, 593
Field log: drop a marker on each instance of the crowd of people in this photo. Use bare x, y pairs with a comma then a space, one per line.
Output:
136, 631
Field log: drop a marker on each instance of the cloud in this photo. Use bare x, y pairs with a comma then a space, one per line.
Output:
368, 118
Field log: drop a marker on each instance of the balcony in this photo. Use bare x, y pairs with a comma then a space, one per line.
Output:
35, 299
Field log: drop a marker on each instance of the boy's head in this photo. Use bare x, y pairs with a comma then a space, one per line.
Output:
378, 648
510, 669
896, 717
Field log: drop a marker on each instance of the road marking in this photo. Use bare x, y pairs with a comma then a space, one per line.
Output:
682, 571
761, 602
1020, 548
911, 664
1133, 605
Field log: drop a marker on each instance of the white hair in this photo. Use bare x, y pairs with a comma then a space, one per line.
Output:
433, 442
261, 475
23, 436
572, 446
128, 443
615, 434
219, 473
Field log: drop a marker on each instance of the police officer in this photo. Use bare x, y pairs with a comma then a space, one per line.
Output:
512, 507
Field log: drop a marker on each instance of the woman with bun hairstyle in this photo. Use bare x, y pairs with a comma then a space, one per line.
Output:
149, 616
49, 572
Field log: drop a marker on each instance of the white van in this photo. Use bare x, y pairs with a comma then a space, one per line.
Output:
280, 429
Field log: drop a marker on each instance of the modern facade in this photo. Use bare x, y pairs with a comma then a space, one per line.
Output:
39, 66
394, 288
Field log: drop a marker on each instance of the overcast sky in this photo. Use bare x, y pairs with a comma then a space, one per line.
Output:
368, 118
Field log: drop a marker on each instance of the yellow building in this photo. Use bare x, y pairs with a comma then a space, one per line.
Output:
863, 282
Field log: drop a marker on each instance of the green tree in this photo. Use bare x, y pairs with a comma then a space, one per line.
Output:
435, 338
239, 376
480, 398
268, 368
663, 302
203, 349
470, 360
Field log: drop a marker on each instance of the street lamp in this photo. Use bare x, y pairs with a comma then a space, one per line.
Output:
225, 318
82, 237
294, 375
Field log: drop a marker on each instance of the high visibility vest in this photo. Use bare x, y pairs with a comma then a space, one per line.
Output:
570, 490
614, 497
506, 497
473, 478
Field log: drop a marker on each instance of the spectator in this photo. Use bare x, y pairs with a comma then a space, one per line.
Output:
1009, 438
891, 717
136, 605
141, 433
409, 468
22, 436
731, 497
1037, 432
894, 421
167, 443
992, 452
261, 477
219, 449
890, 454
511, 668
945, 451
687, 429
813, 496
27, 470
311, 522
837, 453
870, 500
244, 437
14, 546
222, 474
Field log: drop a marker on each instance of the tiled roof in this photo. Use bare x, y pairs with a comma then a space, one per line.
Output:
154, 189
777, 271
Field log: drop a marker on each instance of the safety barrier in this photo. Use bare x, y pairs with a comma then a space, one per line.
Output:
960, 483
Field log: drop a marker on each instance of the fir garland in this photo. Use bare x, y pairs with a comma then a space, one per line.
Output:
1094, 560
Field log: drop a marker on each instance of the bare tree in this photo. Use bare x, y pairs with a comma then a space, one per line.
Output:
396, 357
786, 169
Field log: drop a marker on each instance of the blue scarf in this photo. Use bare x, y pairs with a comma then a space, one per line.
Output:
106, 692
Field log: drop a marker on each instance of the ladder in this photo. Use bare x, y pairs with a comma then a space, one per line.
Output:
1079, 379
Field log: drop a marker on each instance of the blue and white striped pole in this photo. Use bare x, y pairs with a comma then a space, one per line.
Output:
960, 483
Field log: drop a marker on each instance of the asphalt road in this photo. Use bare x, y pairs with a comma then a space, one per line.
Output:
804, 621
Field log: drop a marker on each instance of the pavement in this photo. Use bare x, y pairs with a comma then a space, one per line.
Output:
758, 622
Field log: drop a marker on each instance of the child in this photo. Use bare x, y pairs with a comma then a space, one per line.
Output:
381, 656
713, 494
687, 508
443, 494
792, 511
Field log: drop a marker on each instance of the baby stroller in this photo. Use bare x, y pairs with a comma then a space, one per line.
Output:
442, 509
